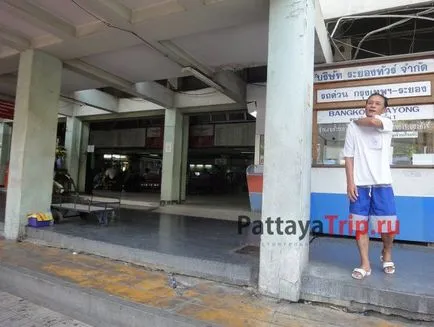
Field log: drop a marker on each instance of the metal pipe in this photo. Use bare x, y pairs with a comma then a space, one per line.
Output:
378, 16
365, 50
387, 27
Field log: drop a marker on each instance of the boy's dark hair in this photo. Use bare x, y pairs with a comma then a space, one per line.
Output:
386, 101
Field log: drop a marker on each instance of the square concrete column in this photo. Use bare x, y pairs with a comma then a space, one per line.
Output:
172, 157
33, 140
184, 163
82, 170
73, 146
287, 148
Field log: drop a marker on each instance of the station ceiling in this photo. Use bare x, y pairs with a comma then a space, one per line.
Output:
107, 43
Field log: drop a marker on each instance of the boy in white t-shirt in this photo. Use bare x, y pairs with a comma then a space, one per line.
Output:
369, 182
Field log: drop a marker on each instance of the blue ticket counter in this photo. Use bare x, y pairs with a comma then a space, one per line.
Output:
414, 190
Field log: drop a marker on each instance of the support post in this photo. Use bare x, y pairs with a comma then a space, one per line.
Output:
172, 156
73, 146
287, 157
82, 171
33, 140
184, 162
259, 149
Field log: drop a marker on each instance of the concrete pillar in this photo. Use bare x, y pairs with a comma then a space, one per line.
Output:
172, 157
259, 149
184, 162
5, 150
81, 182
73, 146
33, 140
287, 157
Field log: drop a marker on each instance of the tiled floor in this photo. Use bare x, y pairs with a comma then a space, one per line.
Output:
17, 312
200, 300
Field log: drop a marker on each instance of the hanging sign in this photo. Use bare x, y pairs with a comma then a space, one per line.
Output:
398, 90
405, 68
421, 112
153, 132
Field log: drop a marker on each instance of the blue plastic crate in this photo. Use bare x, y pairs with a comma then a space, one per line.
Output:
33, 222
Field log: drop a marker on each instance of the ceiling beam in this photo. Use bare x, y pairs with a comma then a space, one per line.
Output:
13, 39
158, 93
234, 87
149, 91
66, 108
226, 82
40, 18
97, 99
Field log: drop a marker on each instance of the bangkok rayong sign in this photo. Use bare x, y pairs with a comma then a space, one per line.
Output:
417, 112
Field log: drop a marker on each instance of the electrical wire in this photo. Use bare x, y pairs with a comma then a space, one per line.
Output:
110, 25
148, 44
411, 50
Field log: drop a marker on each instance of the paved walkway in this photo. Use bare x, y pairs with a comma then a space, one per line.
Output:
17, 312
200, 300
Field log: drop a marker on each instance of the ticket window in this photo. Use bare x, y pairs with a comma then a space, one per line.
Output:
412, 140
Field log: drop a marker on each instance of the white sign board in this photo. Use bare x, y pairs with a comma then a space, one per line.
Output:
405, 68
168, 147
91, 148
398, 90
421, 112
405, 135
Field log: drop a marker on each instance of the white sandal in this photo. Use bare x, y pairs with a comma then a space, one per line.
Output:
360, 273
387, 265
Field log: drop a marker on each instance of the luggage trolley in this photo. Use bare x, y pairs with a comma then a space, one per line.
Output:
74, 205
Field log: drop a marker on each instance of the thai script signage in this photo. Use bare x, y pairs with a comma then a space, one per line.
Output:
416, 125
405, 68
337, 132
398, 90
421, 112
405, 135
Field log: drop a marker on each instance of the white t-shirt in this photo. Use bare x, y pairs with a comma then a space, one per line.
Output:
370, 148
